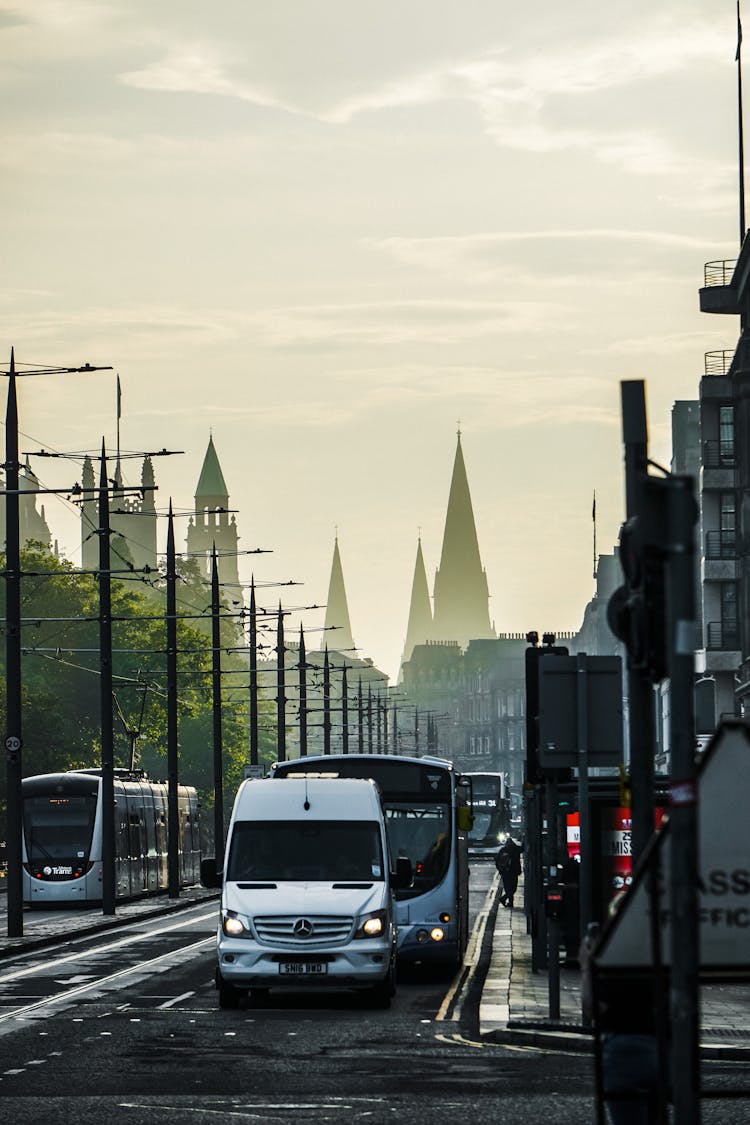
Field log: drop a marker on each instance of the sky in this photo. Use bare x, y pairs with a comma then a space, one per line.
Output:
330, 233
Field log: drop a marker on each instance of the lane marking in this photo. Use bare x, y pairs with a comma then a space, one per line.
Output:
62, 998
471, 957
176, 1000
81, 955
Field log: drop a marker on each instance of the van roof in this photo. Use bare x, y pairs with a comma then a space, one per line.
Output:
326, 798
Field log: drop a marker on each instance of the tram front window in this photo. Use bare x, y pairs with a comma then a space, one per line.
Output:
58, 827
421, 832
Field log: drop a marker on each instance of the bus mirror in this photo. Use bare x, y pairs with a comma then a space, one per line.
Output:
210, 877
403, 876
465, 819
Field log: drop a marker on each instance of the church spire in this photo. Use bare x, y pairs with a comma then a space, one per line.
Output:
419, 627
337, 610
461, 592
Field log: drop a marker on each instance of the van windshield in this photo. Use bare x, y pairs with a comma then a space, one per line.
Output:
313, 851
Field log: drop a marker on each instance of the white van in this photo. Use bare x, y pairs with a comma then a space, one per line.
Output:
307, 894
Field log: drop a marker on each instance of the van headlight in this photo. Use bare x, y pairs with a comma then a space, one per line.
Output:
371, 925
234, 926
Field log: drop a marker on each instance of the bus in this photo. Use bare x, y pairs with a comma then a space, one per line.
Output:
491, 808
62, 836
428, 812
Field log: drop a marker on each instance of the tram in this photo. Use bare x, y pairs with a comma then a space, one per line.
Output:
62, 836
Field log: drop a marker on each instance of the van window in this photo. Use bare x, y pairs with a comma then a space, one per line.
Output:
315, 851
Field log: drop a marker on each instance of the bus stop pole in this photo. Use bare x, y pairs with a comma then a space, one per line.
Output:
584, 815
553, 922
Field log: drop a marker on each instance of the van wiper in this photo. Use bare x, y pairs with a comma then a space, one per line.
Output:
351, 886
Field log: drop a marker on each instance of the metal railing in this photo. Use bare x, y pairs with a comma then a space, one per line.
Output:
718, 273
717, 363
719, 454
722, 636
721, 544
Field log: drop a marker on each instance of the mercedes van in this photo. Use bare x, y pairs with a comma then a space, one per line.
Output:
307, 891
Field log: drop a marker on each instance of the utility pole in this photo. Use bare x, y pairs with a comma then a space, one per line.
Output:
173, 872
280, 689
302, 695
13, 730
105, 684
369, 718
253, 644
360, 719
326, 704
216, 694
344, 712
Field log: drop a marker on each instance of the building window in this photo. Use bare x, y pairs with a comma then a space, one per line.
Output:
729, 619
726, 435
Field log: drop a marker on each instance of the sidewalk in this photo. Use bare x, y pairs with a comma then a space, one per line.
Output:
515, 1001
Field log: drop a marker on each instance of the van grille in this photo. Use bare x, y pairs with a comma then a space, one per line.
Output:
279, 929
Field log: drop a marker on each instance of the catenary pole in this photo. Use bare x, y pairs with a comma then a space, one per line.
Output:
173, 871
13, 729
105, 683
216, 707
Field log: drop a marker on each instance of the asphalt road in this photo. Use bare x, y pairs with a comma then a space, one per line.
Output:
126, 1027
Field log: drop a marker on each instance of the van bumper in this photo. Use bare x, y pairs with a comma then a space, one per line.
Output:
246, 964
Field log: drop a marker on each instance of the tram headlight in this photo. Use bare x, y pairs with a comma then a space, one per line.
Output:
371, 925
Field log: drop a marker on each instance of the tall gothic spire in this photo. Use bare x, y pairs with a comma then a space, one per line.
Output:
461, 592
337, 610
419, 627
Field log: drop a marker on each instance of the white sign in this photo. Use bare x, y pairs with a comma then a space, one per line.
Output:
253, 771
723, 870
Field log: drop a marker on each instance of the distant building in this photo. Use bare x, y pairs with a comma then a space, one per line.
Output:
32, 521
132, 518
213, 525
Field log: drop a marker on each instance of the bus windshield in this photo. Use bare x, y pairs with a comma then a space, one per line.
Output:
309, 851
58, 827
421, 832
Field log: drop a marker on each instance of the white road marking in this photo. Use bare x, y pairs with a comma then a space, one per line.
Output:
471, 957
176, 1000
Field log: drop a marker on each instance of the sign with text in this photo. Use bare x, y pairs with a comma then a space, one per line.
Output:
723, 870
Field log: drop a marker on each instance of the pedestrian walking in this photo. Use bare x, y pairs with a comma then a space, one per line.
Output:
508, 864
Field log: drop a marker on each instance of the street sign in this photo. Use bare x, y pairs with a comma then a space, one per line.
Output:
723, 796
253, 771
560, 727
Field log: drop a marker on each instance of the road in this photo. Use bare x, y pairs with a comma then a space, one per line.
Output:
125, 1026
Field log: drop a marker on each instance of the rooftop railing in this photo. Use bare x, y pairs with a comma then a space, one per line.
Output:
717, 363
718, 273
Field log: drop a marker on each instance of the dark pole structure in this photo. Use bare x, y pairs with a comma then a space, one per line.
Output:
642, 732
416, 732
344, 712
360, 719
302, 695
369, 718
378, 725
738, 60
683, 804
326, 704
173, 869
280, 689
253, 644
105, 683
216, 693
385, 722
13, 735
394, 728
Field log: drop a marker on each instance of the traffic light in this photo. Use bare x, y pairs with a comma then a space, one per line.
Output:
637, 611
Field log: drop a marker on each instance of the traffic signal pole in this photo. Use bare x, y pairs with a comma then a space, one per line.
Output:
641, 726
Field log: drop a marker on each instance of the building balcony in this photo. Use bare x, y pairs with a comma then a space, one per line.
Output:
718, 294
721, 545
722, 636
718, 363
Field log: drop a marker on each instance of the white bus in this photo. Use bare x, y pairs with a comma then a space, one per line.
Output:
428, 815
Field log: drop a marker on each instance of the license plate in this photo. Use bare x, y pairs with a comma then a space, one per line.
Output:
303, 968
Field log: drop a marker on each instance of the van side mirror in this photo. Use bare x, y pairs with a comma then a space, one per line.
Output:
403, 876
210, 877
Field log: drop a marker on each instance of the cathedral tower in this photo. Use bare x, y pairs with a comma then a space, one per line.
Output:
419, 627
461, 592
212, 524
337, 634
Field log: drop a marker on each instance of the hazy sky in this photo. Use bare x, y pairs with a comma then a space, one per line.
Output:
326, 231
